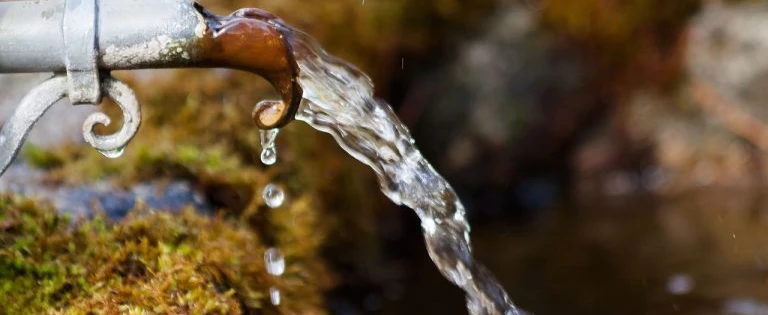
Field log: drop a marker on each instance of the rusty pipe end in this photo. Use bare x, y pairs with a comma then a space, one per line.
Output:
256, 41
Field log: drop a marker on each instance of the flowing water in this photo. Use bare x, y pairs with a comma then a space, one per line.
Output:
338, 99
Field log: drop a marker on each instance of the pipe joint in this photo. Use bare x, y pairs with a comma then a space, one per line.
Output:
78, 29
81, 41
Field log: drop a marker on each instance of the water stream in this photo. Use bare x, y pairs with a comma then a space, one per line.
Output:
338, 99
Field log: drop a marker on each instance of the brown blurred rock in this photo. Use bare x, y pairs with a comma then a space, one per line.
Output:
708, 131
486, 105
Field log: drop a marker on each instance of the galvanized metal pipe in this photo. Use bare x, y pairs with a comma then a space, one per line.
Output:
88, 38
130, 34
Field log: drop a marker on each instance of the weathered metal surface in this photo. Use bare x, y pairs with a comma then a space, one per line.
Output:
31, 108
84, 38
113, 145
130, 34
80, 55
42, 97
88, 38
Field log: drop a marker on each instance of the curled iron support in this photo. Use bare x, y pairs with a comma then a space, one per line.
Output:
113, 145
34, 105
29, 111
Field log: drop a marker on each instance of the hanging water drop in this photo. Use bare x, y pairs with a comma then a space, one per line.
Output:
275, 261
268, 150
268, 137
268, 156
113, 154
274, 295
273, 195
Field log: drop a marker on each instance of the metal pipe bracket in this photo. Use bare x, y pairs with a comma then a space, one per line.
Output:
80, 51
47, 93
64, 37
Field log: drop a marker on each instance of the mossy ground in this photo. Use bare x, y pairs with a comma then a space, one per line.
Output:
149, 262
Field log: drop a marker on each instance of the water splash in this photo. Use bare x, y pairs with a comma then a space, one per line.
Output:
268, 150
338, 99
274, 295
273, 196
275, 261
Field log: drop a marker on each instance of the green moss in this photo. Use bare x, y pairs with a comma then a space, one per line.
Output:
40, 157
151, 262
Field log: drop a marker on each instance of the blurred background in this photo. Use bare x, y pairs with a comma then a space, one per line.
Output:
611, 154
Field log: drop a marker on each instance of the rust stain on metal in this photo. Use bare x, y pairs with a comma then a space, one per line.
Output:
256, 41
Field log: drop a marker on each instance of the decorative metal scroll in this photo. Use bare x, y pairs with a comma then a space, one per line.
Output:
82, 83
42, 97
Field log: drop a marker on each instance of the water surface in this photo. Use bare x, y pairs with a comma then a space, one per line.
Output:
702, 252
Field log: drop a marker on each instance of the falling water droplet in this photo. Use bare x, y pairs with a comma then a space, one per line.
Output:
113, 154
274, 295
268, 156
273, 196
268, 150
275, 261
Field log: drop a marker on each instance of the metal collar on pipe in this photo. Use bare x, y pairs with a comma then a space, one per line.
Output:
79, 30
127, 34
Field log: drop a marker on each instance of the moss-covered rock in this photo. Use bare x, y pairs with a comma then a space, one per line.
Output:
150, 262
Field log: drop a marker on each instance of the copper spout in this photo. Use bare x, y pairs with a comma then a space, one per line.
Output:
254, 40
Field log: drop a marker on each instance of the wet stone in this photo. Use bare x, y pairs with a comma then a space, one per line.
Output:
85, 200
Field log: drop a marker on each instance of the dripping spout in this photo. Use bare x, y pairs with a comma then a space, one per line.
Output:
45, 36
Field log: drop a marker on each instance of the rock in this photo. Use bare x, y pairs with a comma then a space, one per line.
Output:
708, 131
485, 108
728, 47
84, 200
